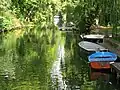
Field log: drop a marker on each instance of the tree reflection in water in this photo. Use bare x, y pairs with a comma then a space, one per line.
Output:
26, 62
27, 59
77, 72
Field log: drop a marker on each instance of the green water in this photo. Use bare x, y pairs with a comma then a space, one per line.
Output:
46, 60
78, 75
26, 60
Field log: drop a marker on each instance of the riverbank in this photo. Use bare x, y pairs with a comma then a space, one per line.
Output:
112, 45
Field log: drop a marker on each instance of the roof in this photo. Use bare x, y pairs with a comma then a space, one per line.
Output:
93, 36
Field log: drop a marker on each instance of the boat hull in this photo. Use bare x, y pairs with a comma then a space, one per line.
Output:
95, 38
90, 48
100, 65
85, 52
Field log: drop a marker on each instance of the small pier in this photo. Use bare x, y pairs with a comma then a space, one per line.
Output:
115, 69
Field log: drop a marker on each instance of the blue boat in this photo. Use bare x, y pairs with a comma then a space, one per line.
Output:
101, 60
102, 56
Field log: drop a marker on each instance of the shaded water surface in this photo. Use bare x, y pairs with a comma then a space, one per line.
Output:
26, 59
75, 71
47, 60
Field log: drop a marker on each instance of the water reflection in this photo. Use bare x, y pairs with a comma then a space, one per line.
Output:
25, 63
78, 75
27, 59
97, 75
56, 72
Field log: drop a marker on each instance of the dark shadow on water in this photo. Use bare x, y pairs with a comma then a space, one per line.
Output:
79, 76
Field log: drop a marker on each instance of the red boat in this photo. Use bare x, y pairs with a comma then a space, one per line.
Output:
101, 60
100, 65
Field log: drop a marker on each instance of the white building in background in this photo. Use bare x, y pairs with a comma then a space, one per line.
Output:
56, 19
97, 24
97, 21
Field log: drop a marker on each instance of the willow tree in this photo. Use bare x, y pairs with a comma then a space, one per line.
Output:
84, 12
115, 16
109, 14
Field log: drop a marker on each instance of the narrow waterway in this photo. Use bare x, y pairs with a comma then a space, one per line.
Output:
48, 60
71, 70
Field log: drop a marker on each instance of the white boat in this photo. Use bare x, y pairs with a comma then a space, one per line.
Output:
91, 47
96, 38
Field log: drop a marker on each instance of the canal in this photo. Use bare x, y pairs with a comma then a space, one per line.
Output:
38, 59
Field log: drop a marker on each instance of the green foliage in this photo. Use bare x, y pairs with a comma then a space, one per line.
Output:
39, 12
84, 12
81, 12
5, 22
28, 59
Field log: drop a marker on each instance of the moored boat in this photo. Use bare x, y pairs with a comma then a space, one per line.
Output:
96, 38
90, 47
101, 60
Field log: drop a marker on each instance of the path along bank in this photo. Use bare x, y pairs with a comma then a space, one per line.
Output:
112, 45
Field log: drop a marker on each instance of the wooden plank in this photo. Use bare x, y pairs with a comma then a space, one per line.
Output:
116, 66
